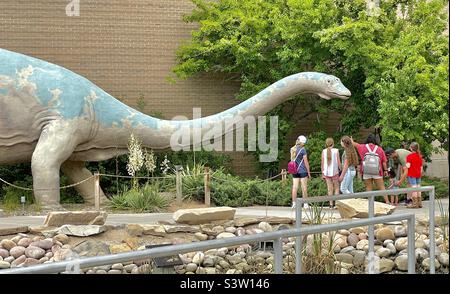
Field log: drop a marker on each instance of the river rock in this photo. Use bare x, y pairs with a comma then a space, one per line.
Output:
30, 262
359, 257
225, 235
203, 215
191, 267
426, 264
347, 249
4, 264
198, 258
266, 227
18, 261
383, 252
358, 207
34, 252
344, 257
7, 244
421, 253
9, 259
4, 253
385, 265
391, 248
353, 239
230, 230
44, 244
357, 230
385, 234
443, 259
17, 251
240, 232
401, 243
362, 245
201, 236
400, 231
340, 240
64, 239
401, 262
25, 242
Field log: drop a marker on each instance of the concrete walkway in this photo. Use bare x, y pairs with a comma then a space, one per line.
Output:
255, 211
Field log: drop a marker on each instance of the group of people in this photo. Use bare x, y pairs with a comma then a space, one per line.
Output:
369, 159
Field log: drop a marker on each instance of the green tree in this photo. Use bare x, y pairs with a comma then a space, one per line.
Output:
388, 62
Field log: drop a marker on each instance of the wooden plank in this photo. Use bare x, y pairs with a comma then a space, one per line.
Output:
13, 230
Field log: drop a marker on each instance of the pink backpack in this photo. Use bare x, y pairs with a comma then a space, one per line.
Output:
292, 165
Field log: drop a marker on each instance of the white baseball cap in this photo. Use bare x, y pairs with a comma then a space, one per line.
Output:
301, 139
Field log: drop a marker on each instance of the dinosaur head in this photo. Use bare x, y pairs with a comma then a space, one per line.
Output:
332, 87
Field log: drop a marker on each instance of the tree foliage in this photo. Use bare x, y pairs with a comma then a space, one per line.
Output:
396, 67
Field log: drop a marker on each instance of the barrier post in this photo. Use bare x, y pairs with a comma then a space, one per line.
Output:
207, 189
97, 190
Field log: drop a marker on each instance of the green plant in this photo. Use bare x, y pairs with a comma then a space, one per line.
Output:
443, 223
145, 199
318, 255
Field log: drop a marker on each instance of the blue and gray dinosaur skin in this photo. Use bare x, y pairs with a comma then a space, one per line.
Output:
56, 119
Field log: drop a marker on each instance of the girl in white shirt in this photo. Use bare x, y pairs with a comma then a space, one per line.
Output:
331, 164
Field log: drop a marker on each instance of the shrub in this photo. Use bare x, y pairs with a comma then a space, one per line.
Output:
145, 199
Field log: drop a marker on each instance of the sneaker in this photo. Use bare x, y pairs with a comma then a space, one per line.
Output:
293, 205
305, 205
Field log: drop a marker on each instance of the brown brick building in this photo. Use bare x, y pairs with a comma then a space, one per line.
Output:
127, 47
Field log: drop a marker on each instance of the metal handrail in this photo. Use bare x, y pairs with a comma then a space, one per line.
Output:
371, 197
276, 236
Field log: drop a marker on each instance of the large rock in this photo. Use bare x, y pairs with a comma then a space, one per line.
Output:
81, 231
154, 230
59, 218
203, 215
92, 248
13, 230
359, 208
245, 221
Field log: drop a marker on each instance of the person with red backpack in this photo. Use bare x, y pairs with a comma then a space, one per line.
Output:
373, 164
299, 168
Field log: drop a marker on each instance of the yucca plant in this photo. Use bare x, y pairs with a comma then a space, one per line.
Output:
443, 223
145, 199
319, 258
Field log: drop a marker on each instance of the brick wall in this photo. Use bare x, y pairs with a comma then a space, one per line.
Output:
127, 47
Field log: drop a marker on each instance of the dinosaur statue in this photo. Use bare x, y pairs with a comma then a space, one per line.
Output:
58, 119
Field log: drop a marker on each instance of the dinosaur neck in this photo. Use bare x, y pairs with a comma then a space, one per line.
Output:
119, 120
257, 105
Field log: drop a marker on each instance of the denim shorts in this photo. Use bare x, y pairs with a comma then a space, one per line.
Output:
300, 175
413, 181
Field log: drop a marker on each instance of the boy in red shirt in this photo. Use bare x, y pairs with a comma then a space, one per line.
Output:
414, 165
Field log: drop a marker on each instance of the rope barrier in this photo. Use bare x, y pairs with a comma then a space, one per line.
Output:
131, 177
46, 189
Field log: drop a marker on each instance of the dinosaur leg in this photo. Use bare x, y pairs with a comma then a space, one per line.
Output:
56, 143
77, 172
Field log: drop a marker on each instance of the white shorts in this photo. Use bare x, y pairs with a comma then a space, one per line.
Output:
369, 177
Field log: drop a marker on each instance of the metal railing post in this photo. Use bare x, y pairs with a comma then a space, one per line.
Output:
298, 240
278, 258
431, 232
411, 245
371, 236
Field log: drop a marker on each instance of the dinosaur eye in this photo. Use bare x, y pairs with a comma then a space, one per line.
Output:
328, 81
